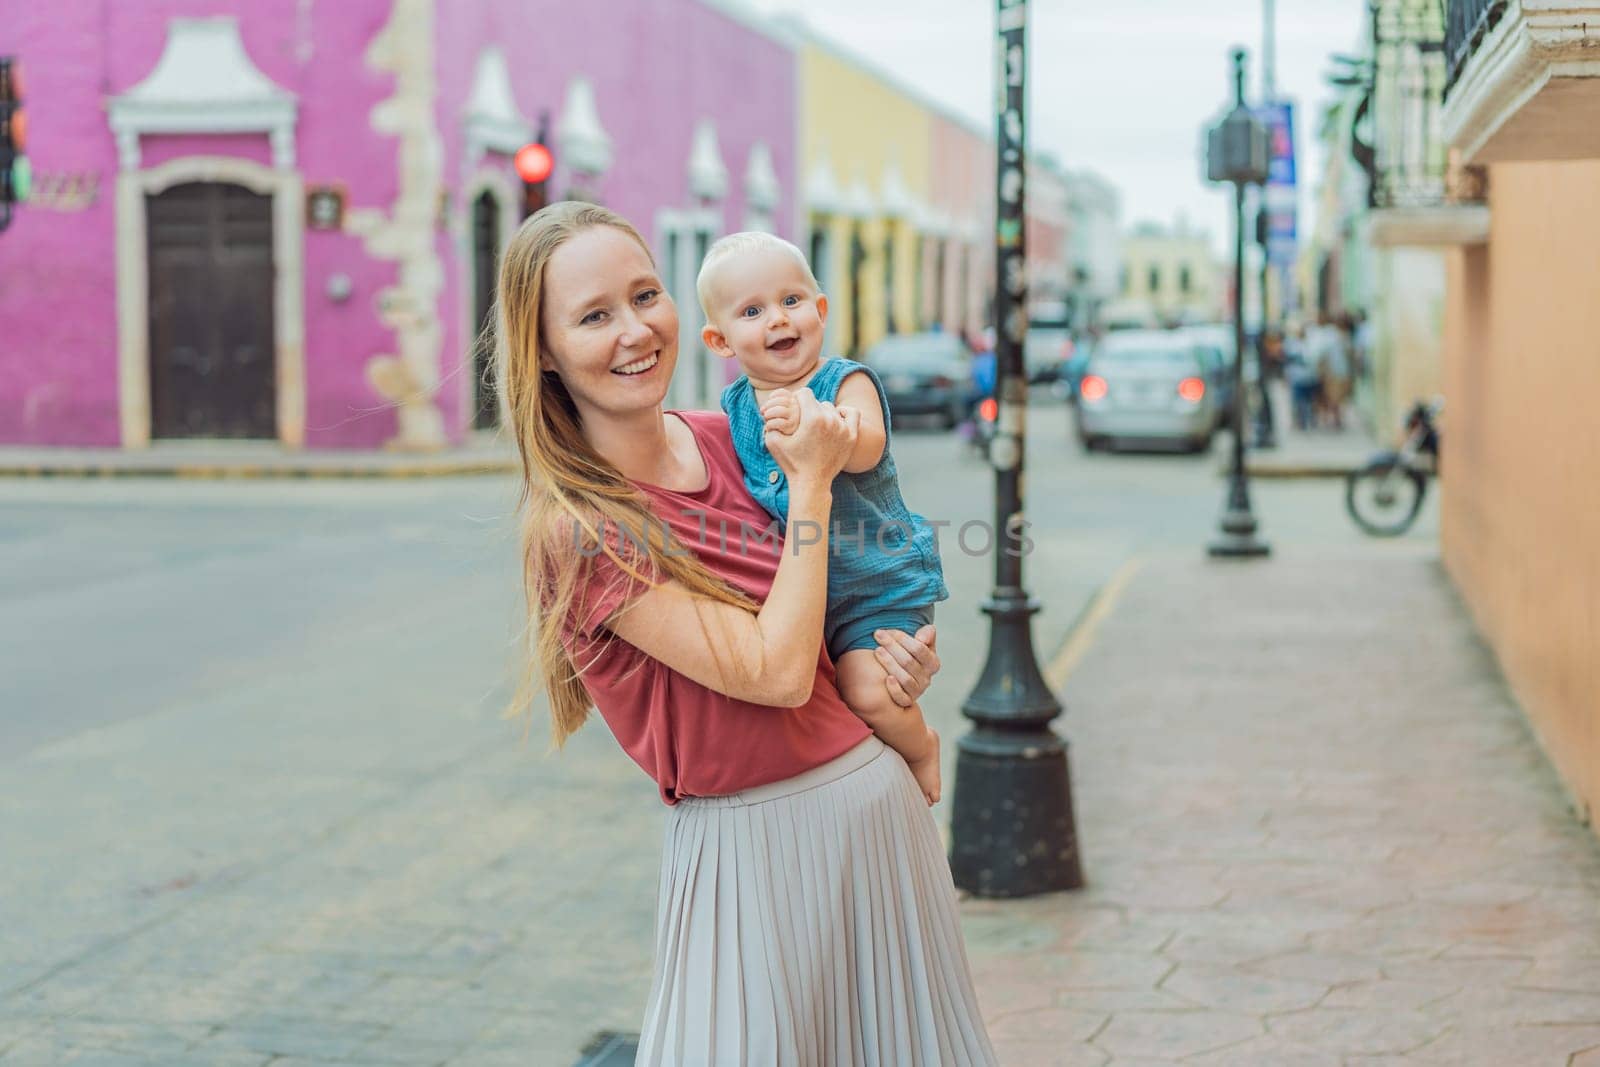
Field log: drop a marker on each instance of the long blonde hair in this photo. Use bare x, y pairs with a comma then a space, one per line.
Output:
568, 489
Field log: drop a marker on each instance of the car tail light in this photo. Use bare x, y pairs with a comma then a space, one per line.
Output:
1093, 388
1192, 389
939, 381
989, 410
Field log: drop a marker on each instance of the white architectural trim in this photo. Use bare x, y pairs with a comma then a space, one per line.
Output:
133, 286
204, 82
823, 195
858, 202
895, 198
499, 185
1427, 227
708, 175
1534, 42
491, 119
762, 190
685, 222
583, 144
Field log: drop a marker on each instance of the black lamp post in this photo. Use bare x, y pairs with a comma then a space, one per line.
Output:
1236, 152
1012, 829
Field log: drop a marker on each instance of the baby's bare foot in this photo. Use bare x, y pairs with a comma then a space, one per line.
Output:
926, 770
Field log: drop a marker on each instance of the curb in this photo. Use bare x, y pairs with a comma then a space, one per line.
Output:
1297, 470
259, 471
1080, 635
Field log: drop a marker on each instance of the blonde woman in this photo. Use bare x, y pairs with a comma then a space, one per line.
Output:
806, 914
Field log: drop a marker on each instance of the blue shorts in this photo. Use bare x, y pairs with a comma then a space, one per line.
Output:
848, 634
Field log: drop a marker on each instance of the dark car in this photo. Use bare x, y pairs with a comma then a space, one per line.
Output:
923, 374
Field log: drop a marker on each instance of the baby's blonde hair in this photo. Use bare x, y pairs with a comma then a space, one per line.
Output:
745, 241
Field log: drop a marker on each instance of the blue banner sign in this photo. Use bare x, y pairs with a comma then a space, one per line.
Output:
1281, 195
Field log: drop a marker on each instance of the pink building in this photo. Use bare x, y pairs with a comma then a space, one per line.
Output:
278, 220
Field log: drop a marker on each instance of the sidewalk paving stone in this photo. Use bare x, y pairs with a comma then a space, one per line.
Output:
1310, 815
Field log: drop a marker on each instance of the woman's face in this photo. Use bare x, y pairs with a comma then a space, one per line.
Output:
608, 327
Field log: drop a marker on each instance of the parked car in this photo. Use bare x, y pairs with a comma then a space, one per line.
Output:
1216, 350
923, 374
1147, 387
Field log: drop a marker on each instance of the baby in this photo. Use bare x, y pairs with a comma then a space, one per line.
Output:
763, 308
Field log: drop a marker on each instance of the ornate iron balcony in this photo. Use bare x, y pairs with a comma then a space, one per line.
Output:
1468, 22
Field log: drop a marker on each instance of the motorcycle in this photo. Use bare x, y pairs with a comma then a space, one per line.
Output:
978, 428
1385, 496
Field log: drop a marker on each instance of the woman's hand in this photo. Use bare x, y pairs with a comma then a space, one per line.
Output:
910, 662
820, 445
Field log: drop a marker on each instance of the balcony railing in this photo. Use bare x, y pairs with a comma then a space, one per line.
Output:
1408, 152
1467, 23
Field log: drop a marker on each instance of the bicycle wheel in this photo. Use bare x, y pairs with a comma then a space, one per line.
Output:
1383, 497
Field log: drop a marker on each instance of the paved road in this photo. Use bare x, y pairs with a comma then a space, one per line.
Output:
258, 801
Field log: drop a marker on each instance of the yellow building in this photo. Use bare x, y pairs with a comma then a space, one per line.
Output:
1170, 275
865, 149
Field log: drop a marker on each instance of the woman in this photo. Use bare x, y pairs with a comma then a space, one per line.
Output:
806, 914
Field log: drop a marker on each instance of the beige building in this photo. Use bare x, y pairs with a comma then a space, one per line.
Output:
1169, 275
1521, 520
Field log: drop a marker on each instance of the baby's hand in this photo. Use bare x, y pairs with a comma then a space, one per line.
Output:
781, 412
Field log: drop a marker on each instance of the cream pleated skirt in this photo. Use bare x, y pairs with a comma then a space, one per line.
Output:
811, 923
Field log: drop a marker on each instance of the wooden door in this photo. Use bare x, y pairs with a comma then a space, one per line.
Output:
211, 312
485, 264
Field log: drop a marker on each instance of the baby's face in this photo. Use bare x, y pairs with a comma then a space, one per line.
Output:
766, 314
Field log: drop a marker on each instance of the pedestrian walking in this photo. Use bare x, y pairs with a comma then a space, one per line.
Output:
1330, 358
1271, 360
806, 914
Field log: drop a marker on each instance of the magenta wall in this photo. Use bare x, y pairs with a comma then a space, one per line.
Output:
58, 344
657, 67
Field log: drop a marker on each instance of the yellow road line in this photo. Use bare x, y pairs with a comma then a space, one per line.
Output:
1065, 661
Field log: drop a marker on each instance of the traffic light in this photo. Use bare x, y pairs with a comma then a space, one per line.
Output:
16, 176
534, 164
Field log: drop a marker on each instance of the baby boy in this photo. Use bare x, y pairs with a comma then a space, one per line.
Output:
763, 307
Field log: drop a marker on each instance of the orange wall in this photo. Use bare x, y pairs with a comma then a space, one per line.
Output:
1521, 527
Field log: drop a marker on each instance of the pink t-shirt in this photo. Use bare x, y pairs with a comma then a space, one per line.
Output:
692, 740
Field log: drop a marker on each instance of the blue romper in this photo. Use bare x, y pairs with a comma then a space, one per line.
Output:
883, 570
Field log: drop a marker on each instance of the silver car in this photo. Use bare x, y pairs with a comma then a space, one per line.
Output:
1147, 387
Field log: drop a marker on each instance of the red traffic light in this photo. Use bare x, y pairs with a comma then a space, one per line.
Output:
534, 163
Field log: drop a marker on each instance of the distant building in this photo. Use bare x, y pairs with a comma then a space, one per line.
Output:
1169, 275
1094, 246
1048, 237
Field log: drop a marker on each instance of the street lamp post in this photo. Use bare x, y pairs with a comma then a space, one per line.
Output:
1012, 829
1237, 152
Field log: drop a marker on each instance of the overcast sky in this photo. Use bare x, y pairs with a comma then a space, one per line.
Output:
1120, 86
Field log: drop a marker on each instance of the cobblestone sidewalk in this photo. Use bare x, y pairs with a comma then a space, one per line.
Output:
1316, 831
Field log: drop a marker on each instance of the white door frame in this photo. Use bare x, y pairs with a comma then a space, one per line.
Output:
680, 276
133, 286
497, 184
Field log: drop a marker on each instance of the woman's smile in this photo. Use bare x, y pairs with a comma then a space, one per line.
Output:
638, 366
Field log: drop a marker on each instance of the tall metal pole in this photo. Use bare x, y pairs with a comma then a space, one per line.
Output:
1238, 538
1269, 52
1012, 829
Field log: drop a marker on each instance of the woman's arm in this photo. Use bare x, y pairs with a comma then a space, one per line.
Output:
769, 657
